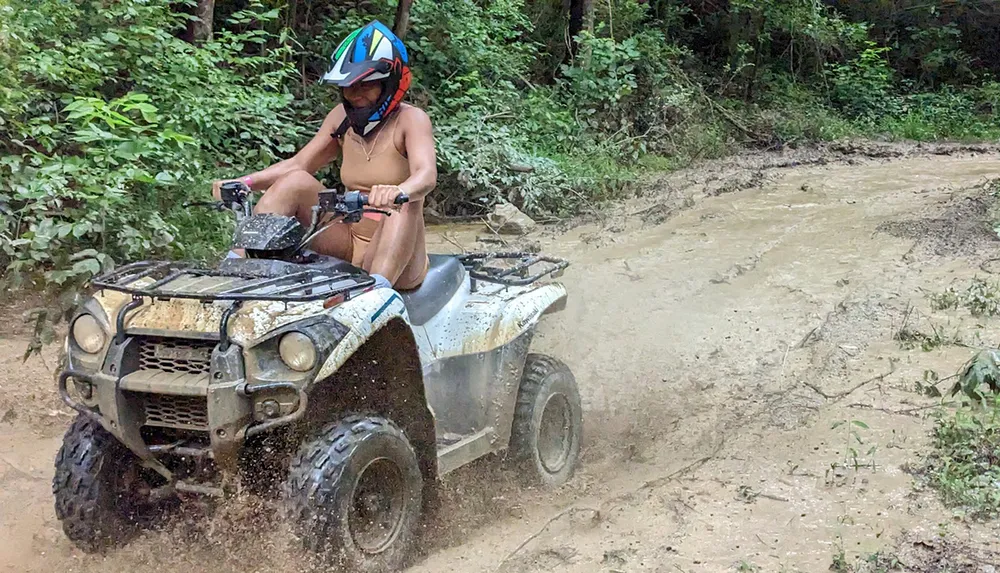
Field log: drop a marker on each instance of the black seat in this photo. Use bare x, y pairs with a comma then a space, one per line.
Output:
443, 278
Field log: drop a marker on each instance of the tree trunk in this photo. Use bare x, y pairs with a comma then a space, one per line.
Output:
581, 17
402, 23
200, 30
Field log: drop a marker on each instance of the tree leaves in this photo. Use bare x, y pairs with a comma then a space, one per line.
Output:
106, 134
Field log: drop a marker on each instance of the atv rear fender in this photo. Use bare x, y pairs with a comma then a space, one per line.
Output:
512, 334
524, 311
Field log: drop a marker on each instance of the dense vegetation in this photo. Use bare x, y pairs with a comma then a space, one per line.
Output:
965, 463
110, 119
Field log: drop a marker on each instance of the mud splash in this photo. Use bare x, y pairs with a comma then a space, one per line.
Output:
716, 341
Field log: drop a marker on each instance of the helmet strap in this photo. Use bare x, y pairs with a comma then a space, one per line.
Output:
342, 129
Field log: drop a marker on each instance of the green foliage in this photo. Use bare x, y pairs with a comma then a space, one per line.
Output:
110, 122
981, 298
114, 123
944, 114
863, 87
853, 442
965, 463
910, 339
981, 370
878, 562
792, 111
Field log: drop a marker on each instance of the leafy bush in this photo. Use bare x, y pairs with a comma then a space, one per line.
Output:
111, 123
965, 463
863, 88
947, 113
793, 112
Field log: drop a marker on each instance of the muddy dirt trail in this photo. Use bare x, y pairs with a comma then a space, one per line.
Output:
718, 328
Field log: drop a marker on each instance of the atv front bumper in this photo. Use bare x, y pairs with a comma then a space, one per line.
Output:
162, 396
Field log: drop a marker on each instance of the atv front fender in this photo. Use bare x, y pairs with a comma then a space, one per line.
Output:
381, 348
365, 316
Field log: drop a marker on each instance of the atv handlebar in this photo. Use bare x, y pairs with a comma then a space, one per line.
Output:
332, 201
348, 207
234, 195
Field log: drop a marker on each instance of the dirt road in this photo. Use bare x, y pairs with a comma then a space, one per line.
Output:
718, 328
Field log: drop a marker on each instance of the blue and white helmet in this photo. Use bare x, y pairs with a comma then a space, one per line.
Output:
371, 53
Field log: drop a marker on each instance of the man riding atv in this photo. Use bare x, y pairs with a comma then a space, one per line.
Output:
371, 68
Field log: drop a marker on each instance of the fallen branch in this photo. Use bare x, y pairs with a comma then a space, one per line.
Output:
454, 242
805, 339
762, 541
674, 475
912, 412
646, 485
844, 394
495, 232
532, 537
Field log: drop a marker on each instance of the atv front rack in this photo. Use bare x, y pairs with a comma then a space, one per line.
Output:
517, 271
179, 280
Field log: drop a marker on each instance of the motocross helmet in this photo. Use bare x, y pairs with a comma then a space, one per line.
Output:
370, 53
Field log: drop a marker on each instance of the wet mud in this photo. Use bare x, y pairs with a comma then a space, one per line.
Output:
720, 326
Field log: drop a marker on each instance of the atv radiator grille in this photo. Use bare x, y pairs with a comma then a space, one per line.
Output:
176, 355
181, 412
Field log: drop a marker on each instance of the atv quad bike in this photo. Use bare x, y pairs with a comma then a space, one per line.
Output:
191, 381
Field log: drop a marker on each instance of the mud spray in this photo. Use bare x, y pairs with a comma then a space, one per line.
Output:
718, 327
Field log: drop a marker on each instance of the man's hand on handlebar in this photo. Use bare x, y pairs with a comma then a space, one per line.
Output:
384, 197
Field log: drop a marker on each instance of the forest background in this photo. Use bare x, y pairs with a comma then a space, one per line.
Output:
114, 113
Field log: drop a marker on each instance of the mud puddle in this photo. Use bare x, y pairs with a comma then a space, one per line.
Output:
716, 349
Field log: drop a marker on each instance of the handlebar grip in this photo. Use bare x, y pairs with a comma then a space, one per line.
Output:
400, 199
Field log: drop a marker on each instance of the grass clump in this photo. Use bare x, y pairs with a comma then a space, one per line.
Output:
878, 562
981, 298
965, 464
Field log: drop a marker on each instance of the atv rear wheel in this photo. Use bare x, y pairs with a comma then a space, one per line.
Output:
101, 490
548, 422
354, 494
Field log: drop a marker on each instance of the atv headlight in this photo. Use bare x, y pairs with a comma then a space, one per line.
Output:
297, 351
88, 334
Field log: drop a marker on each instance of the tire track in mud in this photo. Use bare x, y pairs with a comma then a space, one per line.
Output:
695, 392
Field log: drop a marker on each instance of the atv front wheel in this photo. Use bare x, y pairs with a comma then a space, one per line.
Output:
548, 422
354, 494
101, 490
